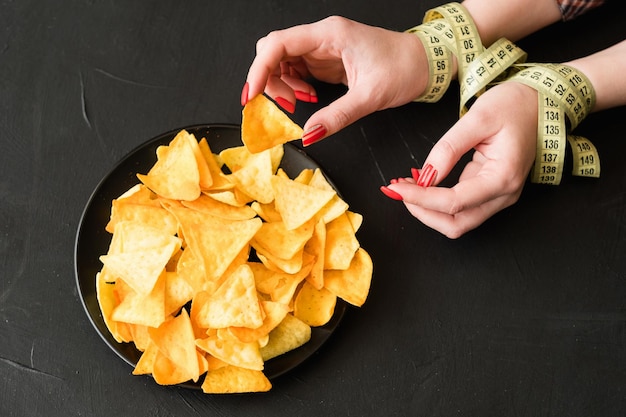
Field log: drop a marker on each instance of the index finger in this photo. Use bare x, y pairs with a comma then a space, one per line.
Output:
276, 47
465, 195
455, 225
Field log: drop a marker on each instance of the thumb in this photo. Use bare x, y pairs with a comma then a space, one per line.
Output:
463, 136
340, 113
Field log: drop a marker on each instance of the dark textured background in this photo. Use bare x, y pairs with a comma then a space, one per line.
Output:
522, 317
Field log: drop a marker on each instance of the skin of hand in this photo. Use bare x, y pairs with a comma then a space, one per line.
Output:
382, 69
501, 128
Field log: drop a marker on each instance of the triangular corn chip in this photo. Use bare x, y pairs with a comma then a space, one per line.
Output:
264, 125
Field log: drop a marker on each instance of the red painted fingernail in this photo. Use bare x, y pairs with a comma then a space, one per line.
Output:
313, 98
428, 176
415, 173
303, 96
390, 193
313, 134
431, 180
424, 175
285, 104
244, 94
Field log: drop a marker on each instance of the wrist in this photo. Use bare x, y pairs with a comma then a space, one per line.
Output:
605, 71
511, 19
416, 51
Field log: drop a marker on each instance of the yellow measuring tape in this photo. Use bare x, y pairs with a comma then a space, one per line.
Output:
446, 31
565, 95
489, 67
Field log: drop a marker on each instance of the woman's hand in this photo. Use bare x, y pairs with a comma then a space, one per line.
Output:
381, 68
501, 127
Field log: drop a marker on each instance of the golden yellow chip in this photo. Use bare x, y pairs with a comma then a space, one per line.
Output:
274, 314
232, 379
352, 284
234, 158
214, 207
264, 125
279, 286
281, 173
341, 243
231, 197
220, 182
235, 303
105, 292
336, 206
149, 214
214, 363
298, 203
178, 292
356, 220
144, 309
254, 177
204, 173
141, 337
280, 242
137, 198
165, 371
175, 175
240, 259
145, 364
267, 212
304, 176
139, 194
199, 300
244, 355
290, 266
175, 339
316, 247
190, 267
314, 307
290, 334
140, 269
131, 236
215, 241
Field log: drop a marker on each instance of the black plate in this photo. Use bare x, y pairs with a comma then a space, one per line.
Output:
92, 240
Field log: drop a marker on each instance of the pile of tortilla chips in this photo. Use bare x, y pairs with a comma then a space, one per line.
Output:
220, 262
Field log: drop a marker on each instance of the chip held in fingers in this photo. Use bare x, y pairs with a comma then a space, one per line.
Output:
219, 263
264, 125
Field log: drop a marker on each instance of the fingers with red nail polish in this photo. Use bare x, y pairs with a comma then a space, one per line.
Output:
306, 97
313, 134
390, 193
427, 176
302, 96
244, 94
415, 173
285, 104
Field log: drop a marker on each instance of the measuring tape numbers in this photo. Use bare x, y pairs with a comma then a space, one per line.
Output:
446, 31
489, 67
565, 98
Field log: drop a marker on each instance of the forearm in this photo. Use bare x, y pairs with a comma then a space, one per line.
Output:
511, 19
607, 72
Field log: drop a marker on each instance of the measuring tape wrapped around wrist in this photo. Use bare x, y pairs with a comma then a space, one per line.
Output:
565, 98
446, 31
449, 31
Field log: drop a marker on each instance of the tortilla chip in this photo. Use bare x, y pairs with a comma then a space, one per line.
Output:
264, 125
